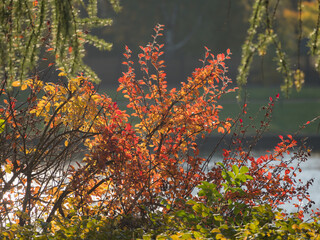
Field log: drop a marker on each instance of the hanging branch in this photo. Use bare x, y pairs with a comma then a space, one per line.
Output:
315, 34
33, 32
249, 48
261, 34
299, 31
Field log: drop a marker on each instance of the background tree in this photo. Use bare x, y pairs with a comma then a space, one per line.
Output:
302, 19
188, 27
35, 31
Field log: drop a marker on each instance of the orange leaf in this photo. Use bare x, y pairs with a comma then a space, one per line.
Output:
220, 129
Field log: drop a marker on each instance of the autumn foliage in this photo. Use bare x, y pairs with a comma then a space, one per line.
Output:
158, 157
136, 161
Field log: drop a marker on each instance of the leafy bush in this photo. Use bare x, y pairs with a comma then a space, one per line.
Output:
207, 220
34, 33
139, 168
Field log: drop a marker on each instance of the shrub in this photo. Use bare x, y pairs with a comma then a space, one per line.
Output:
207, 219
137, 164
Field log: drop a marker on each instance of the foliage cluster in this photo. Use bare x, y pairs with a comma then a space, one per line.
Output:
138, 179
51, 32
297, 23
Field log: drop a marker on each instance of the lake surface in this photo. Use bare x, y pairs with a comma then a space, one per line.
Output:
311, 169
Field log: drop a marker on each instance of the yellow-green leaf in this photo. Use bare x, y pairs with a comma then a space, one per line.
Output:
2, 125
8, 168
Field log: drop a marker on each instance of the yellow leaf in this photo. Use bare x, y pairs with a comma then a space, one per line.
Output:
24, 87
220, 236
16, 84
295, 226
62, 74
66, 143
8, 168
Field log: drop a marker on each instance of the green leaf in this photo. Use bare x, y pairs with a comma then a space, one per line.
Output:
242, 177
191, 202
197, 235
244, 169
147, 237
231, 174
249, 177
235, 169
197, 208
218, 218
181, 213
220, 164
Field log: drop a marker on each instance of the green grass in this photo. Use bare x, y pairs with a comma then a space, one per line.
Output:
263, 93
286, 117
288, 114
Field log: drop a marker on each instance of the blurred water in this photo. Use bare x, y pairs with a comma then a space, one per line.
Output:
310, 169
